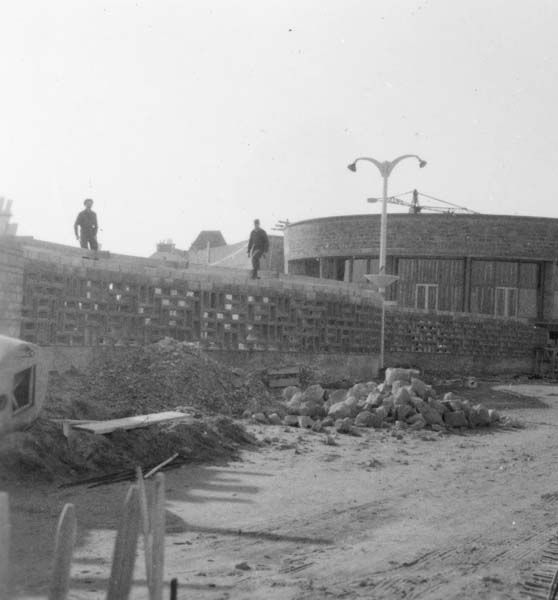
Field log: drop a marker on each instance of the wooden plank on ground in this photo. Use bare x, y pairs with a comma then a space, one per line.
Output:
294, 371
104, 427
276, 383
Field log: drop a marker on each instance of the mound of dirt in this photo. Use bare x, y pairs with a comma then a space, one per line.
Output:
168, 375
43, 451
161, 376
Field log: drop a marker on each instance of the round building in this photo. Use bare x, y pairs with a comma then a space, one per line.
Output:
488, 264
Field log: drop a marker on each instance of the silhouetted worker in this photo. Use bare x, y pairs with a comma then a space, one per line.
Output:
258, 245
87, 223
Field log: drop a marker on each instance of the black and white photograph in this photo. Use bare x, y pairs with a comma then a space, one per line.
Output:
278, 300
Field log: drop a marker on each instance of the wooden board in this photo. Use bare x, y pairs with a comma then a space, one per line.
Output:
276, 383
104, 427
294, 371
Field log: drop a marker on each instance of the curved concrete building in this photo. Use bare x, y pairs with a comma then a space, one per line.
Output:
487, 264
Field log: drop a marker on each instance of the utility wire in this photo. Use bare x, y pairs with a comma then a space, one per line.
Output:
439, 200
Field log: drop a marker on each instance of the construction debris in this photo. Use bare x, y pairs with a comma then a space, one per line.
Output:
122, 390
402, 401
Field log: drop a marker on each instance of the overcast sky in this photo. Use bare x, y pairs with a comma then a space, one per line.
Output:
177, 116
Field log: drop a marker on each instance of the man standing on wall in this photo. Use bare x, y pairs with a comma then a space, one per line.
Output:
87, 223
258, 245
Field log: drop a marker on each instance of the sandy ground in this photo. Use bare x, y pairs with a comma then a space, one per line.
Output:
424, 516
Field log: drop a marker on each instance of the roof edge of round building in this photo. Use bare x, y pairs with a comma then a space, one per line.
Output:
423, 216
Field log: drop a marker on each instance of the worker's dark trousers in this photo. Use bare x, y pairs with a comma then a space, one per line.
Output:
256, 255
88, 239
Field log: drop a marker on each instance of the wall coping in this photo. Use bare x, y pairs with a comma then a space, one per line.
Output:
61, 256
424, 216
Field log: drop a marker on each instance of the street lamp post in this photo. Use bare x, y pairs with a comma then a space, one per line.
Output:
385, 169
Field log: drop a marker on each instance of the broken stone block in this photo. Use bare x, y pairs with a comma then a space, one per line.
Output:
381, 412
437, 405
400, 425
420, 389
247, 414
397, 385
313, 409
361, 390
313, 393
343, 425
260, 418
328, 422
455, 404
305, 422
294, 404
383, 388
339, 410
432, 417
289, 392
448, 396
437, 427
373, 400
337, 396
455, 419
275, 419
479, 416
352, 403
394, 374
402, 396
364, 419
413, 418
418, 403
388, 403
291, 420
466, 407
377, 421
416, 422
403, 411
494, 415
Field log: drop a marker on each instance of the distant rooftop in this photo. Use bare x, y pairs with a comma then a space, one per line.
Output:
213, 238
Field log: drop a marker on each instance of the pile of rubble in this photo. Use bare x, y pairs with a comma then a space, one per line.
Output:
403, 401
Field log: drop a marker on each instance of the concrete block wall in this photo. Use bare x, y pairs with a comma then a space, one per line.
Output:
61, 298
75, 301
460, 342
11, 287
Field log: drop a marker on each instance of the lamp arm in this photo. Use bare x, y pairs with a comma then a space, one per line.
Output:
381, 166
397, 160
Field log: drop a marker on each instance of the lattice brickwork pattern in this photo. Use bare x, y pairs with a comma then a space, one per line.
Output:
67, 305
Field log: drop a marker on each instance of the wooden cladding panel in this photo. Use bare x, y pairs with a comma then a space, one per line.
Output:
527, 303
447, 274
487, 275
528, 276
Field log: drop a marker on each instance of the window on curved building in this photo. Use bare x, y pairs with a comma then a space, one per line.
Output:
426, 296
